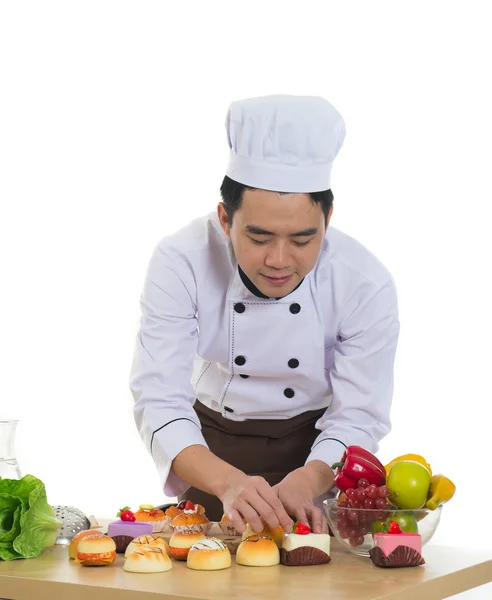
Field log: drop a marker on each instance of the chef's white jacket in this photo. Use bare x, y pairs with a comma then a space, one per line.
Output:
203, 335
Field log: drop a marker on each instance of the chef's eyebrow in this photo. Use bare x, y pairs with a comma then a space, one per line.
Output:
260, 231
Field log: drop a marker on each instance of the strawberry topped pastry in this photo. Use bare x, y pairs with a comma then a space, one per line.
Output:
175, 510
191, 520
153, 516
396, 548
126, 529
302, 547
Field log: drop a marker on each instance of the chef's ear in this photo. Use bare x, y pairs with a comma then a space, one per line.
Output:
328, 217
224, 218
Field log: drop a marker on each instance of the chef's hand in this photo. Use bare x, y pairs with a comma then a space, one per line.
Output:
298, 489
254, 499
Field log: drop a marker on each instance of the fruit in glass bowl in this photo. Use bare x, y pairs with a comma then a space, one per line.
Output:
354, 527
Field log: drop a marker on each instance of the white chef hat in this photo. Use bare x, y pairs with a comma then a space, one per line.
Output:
284, 143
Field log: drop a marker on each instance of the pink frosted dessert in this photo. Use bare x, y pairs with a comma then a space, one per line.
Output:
390, 541
396, 548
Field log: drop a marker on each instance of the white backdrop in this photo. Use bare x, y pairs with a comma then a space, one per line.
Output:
112, 135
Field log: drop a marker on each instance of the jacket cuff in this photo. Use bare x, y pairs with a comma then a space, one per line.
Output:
327, 450
167, 442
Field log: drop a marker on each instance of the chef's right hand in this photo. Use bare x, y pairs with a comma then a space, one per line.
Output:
252, 498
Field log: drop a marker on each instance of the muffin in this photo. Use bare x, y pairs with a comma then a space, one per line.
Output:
227, 527
190, 521
174, 511
154, 516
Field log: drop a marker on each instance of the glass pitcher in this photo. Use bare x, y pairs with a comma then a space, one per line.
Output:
9, 469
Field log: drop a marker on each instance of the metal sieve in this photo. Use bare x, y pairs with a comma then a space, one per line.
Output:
74, 520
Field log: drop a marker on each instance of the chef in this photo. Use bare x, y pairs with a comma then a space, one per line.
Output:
267, 338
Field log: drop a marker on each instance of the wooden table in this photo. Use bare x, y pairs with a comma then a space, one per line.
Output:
52, 576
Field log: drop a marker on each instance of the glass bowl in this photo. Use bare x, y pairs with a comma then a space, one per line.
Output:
354, 527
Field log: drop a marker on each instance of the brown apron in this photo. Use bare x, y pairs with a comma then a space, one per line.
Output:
270, 448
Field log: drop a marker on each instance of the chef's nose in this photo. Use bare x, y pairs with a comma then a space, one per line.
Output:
277, 256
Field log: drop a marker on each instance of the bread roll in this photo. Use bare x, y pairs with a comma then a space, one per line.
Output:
258, 551
72, 548
276, 534
147, 540
180, 544
148, 559
209, 554
96, 550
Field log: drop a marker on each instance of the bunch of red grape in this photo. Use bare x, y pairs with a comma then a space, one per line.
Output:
359, 508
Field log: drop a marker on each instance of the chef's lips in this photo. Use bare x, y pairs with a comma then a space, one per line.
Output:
358, 463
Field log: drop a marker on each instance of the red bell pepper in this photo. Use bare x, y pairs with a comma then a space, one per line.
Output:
358, 463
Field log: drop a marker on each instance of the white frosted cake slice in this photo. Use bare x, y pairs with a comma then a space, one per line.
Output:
302, 548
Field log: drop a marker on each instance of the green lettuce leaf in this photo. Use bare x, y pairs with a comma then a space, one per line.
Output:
7, 552
10, 514
28, 523
39, 525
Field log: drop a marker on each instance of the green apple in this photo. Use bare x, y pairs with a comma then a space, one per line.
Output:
405, 520
408, 482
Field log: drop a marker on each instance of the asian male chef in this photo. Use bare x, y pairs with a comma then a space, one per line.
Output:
267, 339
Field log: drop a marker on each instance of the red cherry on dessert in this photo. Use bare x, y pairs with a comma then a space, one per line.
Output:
127, 515
394, 527
189, 505
182, 504
302, 529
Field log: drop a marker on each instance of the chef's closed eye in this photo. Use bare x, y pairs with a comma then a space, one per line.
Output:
297, 242
259, 242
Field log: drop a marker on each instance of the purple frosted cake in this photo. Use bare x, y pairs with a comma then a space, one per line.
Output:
123, 532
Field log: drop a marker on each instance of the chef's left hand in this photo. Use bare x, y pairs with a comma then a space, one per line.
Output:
298, 489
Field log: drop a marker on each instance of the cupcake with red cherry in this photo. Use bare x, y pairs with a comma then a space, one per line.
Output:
191, 520
302, 547
178, 509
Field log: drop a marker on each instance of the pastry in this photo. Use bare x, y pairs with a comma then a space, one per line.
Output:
126, 529
74, 543
228, 528
175, 510
258, 551
190, 521
276, 534
96, 550
153, 516
180, 544
395, 548
153, 541
209, 554
148, 559
301, 547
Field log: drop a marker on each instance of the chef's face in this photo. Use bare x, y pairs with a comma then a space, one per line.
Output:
276, 238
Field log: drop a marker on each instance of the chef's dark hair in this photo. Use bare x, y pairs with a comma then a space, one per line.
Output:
232, 195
